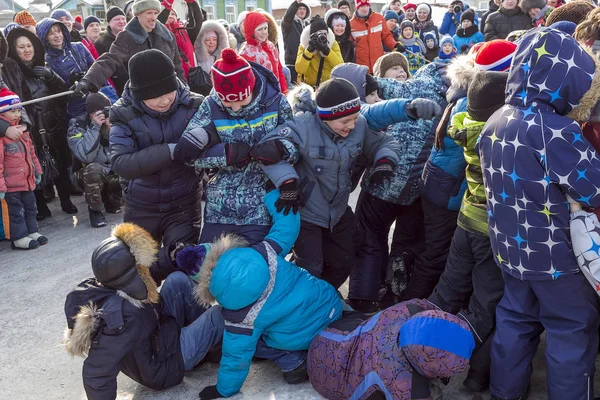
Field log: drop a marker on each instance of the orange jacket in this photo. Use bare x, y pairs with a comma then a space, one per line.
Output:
369, 36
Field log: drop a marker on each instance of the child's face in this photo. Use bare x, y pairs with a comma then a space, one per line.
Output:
391, 24
534, 12
396, 72
466, 24
161, 104
339, 29
262, 34
447, 48
407, 33
372, 98
13, 115
410, 13
430, 43
343, 126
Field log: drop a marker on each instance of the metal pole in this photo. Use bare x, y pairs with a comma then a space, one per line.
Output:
26, 103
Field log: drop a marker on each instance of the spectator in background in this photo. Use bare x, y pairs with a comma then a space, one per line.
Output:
537, 10
396, 6
451, 21
91, 26
185, 34
423, 22
26, 20
414, 46
493, 6
392, 21
78, 23
344, 6
508, 18
128, 10
555, 3
115, 17
432, 47
296, 18
468, 34
370, 33
238, 29
339, 23
211, 41
575, 11
62, 15
410, 10
230, 36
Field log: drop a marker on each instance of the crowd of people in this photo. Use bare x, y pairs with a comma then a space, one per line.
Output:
232, 161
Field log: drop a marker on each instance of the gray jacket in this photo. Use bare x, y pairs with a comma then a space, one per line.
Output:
325, 158
86, 142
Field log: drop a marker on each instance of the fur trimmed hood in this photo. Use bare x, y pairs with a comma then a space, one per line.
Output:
203, 59
305, 37
460, 72
217, 249
301, 98
589, 105
77, 341
273, 29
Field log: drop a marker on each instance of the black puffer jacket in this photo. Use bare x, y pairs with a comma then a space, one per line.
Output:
291, 29
492, 8
502, 22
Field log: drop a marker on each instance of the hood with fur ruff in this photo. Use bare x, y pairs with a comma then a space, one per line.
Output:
203, 59
460, 72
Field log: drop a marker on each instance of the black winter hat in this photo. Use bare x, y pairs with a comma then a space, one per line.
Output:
337, 98
317, 24
527, 5
96, 102
151, 74
486, 94
344, 3
113, 12
371, 86
469, 14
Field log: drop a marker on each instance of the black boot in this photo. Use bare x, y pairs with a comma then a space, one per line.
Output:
43, 212
364, 306
297, 375
68, 207
97, 219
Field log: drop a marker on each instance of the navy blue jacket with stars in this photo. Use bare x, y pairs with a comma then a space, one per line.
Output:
533, 153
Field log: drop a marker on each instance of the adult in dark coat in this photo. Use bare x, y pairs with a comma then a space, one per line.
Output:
344, 40
508, 18
162, 196
115, 17
296, 18
119, 323
143, 32
27, 52
493, 6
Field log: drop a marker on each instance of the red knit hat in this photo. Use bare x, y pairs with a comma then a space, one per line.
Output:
495, 55
8, 98
408, 6
360, 3
79, 19
252, 21
232, 76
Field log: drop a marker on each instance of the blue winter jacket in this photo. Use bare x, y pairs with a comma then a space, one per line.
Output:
235, 195
139, 149
264, 296
452, 21
322, 157
533, 153
459, 42
70, 63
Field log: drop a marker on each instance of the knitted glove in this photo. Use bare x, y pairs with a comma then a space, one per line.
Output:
383, 170
399, 48
190, 259
2, 194
209, 393
237, 154
191, 144
288, 197
423, 108
269, 153
168, 4
38, 179
42, 72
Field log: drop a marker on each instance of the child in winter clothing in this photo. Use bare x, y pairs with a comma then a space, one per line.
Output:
392, 355
447, 50
118, 321
431, 46
470, 252
392, 65
20, 172
272, 308
339, 24
331, 124
259, 49
468, 34
538, 10
234, 195
415, 49
540, 156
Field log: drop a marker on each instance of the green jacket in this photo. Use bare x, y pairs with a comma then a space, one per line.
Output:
473, 216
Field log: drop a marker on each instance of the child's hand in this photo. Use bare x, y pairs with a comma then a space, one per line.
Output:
384, 169
15, 132
2, 194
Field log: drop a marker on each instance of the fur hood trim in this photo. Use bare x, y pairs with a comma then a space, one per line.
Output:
203, 59
301, 98
461, 71
305, 37
583, 110
273, 29
217, 249
78, 340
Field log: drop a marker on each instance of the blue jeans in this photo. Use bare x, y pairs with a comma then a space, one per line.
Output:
201, 329
286, 360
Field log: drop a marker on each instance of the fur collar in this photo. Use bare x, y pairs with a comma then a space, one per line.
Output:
203, 59
583, 110
139, 35
461, 71
305, 37
220, 246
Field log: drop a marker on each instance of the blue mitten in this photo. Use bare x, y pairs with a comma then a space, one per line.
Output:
2, 194
190, 259
38, 179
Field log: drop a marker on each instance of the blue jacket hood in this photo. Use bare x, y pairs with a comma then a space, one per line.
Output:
356, 74
550, 68
43, 27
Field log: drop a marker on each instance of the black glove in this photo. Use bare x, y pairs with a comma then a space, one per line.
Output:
423, 108
288, 197
269, 153
237, 154
325, 50
42, 72
209, 393
383, 170
313, 44
81, 88
192, 143
399, 48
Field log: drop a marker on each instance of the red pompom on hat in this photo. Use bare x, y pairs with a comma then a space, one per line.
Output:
360, 3
408, 6
232, 76
253, 20
495, 55
79, 19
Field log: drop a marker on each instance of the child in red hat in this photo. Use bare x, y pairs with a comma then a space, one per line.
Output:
259, 49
